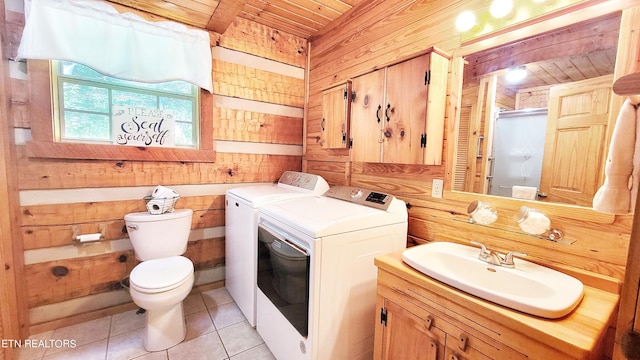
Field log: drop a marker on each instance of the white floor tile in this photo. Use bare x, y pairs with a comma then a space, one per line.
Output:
92, 351
156, 355
239, 337
126, 346
260, 352
225, 315
83, 333
34, 352
126, 322
216, 297
206, 347
198, 324
193, 303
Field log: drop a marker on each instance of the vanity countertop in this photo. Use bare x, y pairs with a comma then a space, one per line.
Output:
579, 333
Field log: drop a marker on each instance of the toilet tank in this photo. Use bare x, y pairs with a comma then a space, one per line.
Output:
159, 236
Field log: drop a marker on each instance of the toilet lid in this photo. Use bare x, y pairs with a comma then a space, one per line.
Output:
160, 274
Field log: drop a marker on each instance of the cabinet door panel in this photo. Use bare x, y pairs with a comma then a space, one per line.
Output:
409, 337
405, 111
335, 111
366, 116
436, 105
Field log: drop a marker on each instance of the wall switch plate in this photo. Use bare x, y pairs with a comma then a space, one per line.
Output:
436, 188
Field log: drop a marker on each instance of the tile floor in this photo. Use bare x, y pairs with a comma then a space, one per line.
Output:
216, 330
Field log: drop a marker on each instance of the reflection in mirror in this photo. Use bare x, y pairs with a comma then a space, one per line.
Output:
482, 213
545, 134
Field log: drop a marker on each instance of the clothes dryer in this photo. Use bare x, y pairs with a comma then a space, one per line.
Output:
316, 276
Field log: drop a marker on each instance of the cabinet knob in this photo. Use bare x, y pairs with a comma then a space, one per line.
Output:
463, 340
428, 322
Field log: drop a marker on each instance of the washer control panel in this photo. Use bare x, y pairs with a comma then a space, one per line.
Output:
300, 180
361, 196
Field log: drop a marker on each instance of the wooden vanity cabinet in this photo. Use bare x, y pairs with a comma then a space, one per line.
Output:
336, 110
412, 329
398, 112
420, 318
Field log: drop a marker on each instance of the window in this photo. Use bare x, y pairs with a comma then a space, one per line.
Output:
83, 100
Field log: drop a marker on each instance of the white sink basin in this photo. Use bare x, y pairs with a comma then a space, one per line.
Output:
529, 287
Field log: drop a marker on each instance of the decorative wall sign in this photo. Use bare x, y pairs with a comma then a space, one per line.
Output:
136, 126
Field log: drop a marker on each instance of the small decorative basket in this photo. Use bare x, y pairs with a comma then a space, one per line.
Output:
157, 206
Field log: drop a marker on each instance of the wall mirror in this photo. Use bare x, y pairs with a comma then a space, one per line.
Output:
542, 137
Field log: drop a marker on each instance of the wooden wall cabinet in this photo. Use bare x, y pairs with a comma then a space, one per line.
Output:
336, 110
398, 112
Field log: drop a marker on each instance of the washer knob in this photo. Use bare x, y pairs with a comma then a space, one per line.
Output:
356, 193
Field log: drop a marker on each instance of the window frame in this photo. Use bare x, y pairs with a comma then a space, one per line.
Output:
44, 144
58, 79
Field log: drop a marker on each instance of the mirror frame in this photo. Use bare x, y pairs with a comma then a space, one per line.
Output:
626, 60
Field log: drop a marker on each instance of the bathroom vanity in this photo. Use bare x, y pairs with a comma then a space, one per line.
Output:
418, 317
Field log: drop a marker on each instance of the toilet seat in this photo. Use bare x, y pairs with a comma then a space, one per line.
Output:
159, 275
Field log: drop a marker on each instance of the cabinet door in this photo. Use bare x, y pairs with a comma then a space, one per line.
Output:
407, 336
405, 111
366, 116
436, 105
335, 116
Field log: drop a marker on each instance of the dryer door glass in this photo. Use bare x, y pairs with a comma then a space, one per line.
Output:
283, 276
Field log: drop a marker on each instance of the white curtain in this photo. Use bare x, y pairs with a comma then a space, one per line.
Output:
124, 46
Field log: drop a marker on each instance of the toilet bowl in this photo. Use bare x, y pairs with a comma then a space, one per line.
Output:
159, 286
290, 272
164, 278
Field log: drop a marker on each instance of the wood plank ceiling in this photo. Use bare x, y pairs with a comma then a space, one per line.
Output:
304, 18
308, 18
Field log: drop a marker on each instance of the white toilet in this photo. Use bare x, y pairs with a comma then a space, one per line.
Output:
164, 278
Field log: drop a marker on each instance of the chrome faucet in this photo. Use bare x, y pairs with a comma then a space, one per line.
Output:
496, 257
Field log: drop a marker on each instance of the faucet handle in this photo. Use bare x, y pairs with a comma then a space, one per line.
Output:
508, 258
483, 251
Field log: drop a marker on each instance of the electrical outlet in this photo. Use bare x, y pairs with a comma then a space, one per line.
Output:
436, 188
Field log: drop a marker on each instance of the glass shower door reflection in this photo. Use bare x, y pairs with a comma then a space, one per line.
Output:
518, 149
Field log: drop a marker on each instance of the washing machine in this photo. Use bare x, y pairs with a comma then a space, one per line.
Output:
241, 219
316, 275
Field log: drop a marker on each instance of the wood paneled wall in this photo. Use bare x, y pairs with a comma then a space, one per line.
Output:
257, 111
380, 32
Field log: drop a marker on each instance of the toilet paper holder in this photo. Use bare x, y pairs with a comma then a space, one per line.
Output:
77, 237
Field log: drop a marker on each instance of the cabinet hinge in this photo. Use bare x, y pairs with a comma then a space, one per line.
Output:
344, 94
344, 138
353, 96
383, 316
423, 140
350, 143
427, 77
